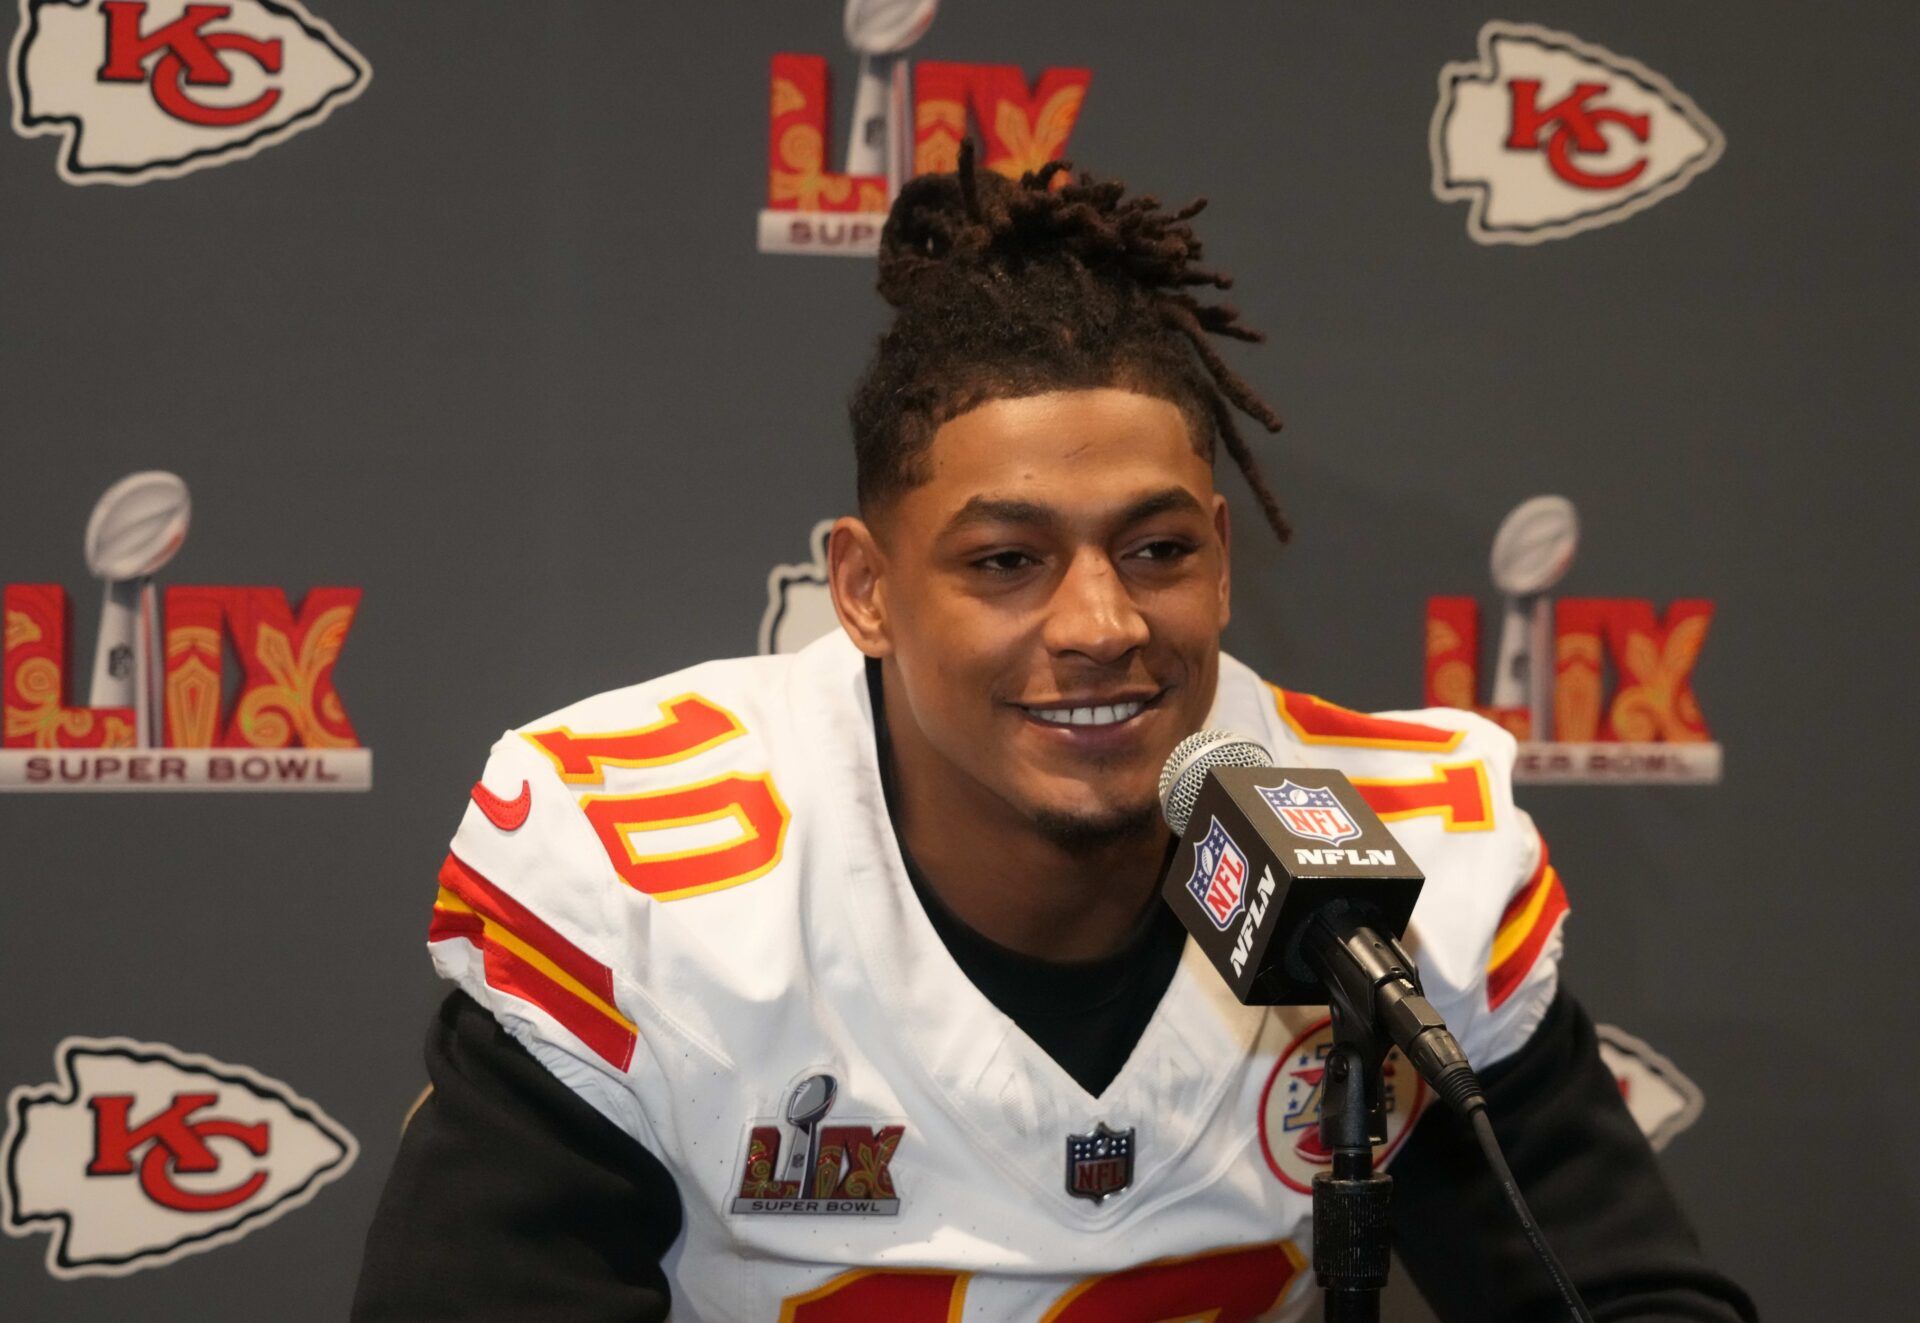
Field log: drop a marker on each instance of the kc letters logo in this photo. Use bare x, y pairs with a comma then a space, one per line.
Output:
805, 1166
905, 123
158, 716
141, 1154
1546, 135
155, 89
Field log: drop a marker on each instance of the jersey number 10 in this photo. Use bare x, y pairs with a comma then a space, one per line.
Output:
753, 816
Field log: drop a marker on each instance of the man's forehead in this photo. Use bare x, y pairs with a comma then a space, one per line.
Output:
1106, 449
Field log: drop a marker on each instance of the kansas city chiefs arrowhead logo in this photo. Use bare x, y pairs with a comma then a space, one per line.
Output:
799, 603
1663, 1101
141, 1154
155, 89
1546, 136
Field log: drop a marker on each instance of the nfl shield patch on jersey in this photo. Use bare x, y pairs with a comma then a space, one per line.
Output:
1100, 1163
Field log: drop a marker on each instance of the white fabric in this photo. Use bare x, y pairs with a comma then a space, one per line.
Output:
827, 964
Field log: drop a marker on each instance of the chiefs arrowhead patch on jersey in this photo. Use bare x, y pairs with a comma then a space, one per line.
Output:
155, 89
140, 1154
1546, 135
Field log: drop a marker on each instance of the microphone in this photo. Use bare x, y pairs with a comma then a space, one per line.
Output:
1297, 893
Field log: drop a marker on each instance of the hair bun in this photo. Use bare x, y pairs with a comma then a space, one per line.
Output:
1005, 277
978, 217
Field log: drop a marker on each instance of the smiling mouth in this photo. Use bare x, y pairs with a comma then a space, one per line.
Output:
1092, 714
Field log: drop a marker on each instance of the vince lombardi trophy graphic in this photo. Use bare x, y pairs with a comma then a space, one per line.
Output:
882, 139
135, 529
808, 1104
1531, 553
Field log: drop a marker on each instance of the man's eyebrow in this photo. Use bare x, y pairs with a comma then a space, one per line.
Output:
1000, 510
1166, 501
1010, 510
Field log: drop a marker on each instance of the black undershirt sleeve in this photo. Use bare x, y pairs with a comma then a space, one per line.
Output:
513, 1199
1592, 1181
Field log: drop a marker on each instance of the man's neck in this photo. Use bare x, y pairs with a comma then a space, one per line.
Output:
994, 869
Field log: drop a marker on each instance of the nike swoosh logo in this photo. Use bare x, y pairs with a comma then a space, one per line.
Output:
506, 814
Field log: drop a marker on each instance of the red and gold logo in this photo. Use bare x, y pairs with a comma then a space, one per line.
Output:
1598, 690
158, 716
905, 123
809, 1167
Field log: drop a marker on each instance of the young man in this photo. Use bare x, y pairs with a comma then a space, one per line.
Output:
836, 987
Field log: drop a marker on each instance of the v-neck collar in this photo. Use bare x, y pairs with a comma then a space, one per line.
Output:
1032, 988
1018, 1103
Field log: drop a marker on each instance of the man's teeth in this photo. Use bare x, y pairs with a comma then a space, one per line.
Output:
1105, 715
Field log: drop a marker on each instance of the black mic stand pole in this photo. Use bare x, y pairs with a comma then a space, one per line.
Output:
1352, 1223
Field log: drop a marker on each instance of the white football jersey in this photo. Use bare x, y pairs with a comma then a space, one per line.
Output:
686, 899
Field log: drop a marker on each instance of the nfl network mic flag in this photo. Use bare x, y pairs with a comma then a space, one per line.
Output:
1264, 849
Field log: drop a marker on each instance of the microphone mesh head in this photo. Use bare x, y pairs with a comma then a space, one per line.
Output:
1187, 768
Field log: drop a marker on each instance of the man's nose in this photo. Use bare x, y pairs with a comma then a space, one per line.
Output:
1092, 614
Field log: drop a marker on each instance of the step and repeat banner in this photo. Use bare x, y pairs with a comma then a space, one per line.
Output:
377, 377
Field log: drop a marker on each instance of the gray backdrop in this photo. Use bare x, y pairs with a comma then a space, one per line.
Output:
494, 344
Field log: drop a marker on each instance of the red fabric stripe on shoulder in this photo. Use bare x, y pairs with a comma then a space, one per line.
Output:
457, 876
1524, 896
447, 923
1502, 982
610, 1039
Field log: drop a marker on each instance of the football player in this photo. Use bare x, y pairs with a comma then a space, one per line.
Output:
838, 987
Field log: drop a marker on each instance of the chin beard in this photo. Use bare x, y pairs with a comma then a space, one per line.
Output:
1079, 832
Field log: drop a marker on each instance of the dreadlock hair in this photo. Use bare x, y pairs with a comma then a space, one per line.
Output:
1003, 290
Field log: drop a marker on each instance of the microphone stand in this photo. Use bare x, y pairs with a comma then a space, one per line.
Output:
1352, 1220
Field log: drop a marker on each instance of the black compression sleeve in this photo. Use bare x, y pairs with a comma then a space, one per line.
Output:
1593, 1184
513, 1199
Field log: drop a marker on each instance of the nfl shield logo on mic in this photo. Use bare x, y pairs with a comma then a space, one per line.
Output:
1310, 811
1219, 875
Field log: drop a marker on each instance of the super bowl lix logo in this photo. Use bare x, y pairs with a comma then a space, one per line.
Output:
809, 1167
140, 1154
154, 89
1549, 687
1546, 135
1290, 1108
904, 124
158, 715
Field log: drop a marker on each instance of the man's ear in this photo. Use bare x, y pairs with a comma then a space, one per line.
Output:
856, 575
1223, 526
